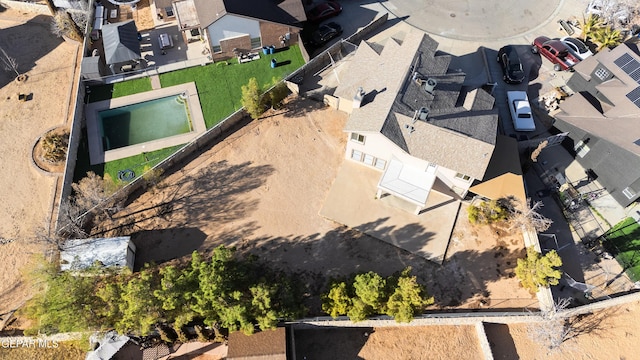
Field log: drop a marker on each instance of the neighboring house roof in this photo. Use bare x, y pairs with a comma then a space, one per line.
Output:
460, 131
286, 12
264, 345
78, 254
121, 42
503, 177
618, 123
110, 344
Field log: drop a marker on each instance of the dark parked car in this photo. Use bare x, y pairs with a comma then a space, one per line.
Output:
511, 65
324, 11
556, 52
325, 33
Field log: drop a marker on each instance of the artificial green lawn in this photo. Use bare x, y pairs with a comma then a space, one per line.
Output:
220, 84
119, 89
219, 89
625, 238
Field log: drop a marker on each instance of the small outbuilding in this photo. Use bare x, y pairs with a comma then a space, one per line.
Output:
81, 254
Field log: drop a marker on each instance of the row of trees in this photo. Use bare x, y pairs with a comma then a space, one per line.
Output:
367, 294
222, 292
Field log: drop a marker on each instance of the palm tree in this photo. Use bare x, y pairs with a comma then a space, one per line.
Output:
590, 25
607, 37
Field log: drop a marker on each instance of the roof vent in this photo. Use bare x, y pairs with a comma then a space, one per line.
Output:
430, 85
423, 114
357, 99
409, 128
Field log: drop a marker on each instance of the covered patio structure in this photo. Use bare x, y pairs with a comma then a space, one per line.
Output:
121, 46
408, 183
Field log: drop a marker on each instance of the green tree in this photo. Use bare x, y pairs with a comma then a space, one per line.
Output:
537, 270
407, 298
370, 296
337, 302
252, 99
177, 288
262, 307
139, 308
66, 302
278, 92
590, 25
607, 37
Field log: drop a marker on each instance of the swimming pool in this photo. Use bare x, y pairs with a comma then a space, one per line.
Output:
130, 125
145, 121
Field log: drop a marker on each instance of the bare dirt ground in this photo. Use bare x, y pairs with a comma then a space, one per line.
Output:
607, 334
261, 190
27, 194
389, 343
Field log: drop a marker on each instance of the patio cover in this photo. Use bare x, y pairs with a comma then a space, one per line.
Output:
121, 42
407, 182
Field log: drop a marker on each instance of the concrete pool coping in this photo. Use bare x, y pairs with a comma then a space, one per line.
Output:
97, 155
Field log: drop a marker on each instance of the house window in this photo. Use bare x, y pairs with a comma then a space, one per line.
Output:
358, 138
256, 42
463, 177
356, 155
581, 149
629, 193
216, 49
368, 159
380, 164
602, 74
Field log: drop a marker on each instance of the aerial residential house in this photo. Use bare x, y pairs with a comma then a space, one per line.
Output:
603, 120
243, 25
413, 120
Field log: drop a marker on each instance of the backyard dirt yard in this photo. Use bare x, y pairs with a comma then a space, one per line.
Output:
261, 189
27, 194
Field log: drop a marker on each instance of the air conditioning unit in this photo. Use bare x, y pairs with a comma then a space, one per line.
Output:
430, 85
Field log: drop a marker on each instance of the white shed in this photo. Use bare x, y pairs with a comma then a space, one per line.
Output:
80, 254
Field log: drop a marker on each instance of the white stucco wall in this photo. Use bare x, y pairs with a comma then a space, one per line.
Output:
230, 26
381, 147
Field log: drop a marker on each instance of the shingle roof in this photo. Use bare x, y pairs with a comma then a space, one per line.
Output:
619, 124
287, 12
460, 133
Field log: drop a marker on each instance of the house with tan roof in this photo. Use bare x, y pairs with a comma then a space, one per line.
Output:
412, 119
243, 25
602, 119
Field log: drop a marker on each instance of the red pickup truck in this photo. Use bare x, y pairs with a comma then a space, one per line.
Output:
556, 52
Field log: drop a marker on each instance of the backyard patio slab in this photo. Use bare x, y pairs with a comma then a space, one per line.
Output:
351, 201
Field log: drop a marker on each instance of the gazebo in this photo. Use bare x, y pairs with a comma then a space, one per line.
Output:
121, 45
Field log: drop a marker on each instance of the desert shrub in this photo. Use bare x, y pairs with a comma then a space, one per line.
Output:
487, 212
55, 147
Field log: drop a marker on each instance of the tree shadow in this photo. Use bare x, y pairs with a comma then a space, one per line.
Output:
211, 194
159, 246
330, 343
500, 340
27, 43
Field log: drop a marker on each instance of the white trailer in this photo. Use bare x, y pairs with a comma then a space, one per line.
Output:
520, 111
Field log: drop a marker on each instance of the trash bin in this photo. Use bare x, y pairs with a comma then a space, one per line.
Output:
274, 63
265, 50
272, 49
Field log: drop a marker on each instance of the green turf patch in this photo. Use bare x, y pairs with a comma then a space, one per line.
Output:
624, 241
119, 89
219, 84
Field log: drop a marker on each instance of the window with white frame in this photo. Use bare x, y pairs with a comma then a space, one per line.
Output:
380, 164
256, 42
216, 49
463, 177
356, 155
581, 149
629, 193
359, 138
368, 159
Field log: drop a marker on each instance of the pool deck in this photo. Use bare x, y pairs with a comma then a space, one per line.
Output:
97, 155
